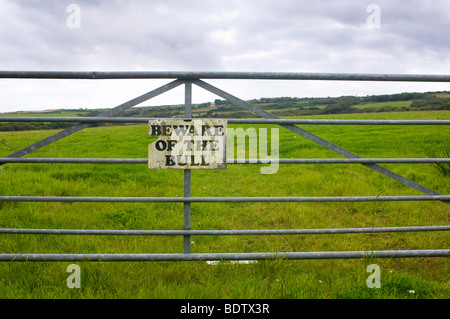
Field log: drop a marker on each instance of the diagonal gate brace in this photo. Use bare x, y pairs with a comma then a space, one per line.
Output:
112, 112
315, 138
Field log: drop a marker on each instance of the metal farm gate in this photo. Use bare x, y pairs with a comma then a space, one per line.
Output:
197, 78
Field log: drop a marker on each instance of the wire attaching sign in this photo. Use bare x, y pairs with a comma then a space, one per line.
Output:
188, 144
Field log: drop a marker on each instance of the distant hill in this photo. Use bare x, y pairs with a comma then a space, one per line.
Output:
280, 106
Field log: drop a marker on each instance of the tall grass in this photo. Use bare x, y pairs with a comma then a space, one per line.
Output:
439, 151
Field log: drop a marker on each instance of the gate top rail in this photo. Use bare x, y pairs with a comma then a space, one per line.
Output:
98, 75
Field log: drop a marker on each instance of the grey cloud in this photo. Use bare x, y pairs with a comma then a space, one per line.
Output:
219, 35
180, 31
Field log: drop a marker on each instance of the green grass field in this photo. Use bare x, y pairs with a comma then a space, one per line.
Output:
426, 277
60, 113
383, 104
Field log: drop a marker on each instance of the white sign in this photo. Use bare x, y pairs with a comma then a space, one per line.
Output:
188, 144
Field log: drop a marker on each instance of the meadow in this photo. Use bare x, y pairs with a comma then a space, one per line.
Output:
383, 104
423, 278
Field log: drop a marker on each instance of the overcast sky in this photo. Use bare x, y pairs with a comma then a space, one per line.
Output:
342, 36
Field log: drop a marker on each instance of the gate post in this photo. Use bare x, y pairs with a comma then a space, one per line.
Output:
187, 172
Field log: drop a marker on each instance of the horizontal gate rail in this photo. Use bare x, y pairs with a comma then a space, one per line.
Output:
233, 232
230, 121
94, 75
229, 256
92, 199
49, 160
187, 79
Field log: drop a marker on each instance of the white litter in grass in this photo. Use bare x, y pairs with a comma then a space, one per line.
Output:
240, 262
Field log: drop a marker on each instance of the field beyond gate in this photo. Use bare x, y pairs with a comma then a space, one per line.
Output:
400, 278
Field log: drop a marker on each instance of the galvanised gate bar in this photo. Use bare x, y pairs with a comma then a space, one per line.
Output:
187, 79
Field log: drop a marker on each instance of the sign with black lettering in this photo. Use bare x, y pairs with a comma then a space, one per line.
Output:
188, 144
